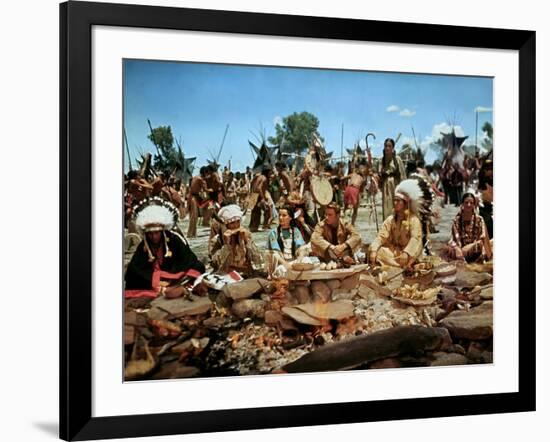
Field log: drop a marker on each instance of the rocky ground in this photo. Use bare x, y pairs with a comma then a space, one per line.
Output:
348, 319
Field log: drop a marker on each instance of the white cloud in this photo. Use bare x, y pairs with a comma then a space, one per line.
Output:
406, 140
407, 113
428, 143
393, 108
277, 120
440, 128
483, 109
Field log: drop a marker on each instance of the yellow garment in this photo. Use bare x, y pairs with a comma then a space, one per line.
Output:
397, 237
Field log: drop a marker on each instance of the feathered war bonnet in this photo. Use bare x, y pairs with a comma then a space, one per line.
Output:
153, 215
418, 195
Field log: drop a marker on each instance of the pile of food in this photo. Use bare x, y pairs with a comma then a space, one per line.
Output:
413, 292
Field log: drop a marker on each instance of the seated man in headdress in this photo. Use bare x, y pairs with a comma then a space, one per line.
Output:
334, 240
163, 260
399, 241
233, 248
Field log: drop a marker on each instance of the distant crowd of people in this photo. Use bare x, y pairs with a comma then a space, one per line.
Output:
305, 214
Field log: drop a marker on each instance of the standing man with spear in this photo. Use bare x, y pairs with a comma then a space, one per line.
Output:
372, 182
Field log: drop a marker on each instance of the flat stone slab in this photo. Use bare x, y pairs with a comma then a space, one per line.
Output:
332, 310
300, 316
316, 274
486, 293
475, 324
371, 282
163, 307
468, 278
244, 289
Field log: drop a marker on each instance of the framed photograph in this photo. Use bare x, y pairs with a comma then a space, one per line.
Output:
273, 220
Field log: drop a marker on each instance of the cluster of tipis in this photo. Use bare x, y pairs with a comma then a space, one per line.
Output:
267, 156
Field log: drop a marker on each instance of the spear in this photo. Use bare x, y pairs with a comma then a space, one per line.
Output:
414, 135
397, 139
127, 149
369, 154
223, 141
152, 137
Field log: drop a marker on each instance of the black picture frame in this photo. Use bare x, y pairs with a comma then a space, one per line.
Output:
76, 21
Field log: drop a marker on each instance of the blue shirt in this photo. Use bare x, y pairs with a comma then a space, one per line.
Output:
286, 236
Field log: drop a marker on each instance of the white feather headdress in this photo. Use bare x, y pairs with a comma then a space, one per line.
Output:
418, 193
155, 214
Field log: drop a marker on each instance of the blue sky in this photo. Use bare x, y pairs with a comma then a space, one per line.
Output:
198, 100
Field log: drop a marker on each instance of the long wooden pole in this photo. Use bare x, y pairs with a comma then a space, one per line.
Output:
342, 142
223, 141
127, 150
477, 114
152, 138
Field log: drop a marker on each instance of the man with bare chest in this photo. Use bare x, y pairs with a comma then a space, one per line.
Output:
352, 194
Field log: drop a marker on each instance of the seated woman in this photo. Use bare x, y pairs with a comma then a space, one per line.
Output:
399, 241
304, 222
469, 238
286, 240
238, 252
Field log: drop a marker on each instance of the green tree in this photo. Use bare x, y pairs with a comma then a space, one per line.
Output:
295, 132
488, 129
166, 156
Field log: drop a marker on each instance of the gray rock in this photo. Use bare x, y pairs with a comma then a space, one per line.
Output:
475, 324
343, 294
178, 307
272, 317
332, 310
351, 282
479, 354
245, 289
442, 359
321, 291
366, 292
300, 316
215, 322
385, 363
249, 308
301, 293
486, 293
175, 370
467, 278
